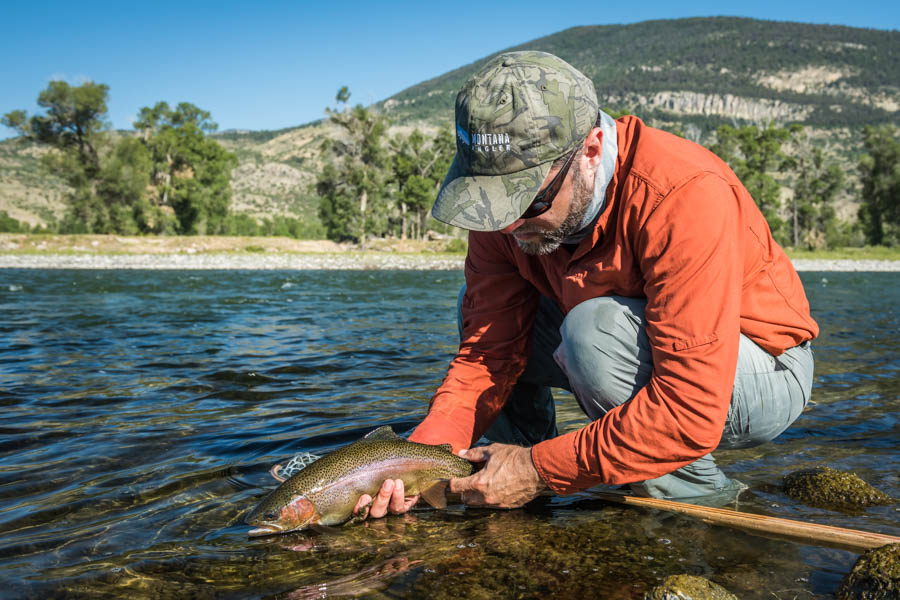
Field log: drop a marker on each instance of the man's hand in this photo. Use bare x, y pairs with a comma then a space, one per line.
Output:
390, 498
508, 479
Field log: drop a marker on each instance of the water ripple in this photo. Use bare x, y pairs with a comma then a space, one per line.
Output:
142, 410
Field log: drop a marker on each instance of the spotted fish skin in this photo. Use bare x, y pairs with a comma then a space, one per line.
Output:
326, 491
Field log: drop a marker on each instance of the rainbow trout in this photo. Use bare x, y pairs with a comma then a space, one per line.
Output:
325, 491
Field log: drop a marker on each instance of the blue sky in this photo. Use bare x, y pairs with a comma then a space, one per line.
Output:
268, 65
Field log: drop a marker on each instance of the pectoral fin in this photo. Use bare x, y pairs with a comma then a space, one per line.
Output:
434, 494
319, 528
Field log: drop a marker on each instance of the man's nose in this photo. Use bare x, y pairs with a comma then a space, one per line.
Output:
512, 226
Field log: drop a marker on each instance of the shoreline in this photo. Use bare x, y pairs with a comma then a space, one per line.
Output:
344, 261
325, 262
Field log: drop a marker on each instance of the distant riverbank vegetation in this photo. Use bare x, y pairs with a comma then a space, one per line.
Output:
169, 177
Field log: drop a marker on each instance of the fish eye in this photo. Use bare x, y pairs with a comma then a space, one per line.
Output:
270, 516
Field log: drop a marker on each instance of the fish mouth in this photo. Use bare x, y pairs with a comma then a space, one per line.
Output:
265, 530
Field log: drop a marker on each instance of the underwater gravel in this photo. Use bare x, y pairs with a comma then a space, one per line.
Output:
272, 261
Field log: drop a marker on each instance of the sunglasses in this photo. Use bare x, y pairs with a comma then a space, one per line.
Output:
544, 199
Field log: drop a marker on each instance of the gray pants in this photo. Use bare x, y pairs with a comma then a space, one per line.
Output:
601, 353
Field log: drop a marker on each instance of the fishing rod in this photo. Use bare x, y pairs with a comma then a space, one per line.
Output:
811, 533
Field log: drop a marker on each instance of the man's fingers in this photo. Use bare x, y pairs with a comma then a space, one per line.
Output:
398, 499
364, 500
467, 488
391, 498
462, 484
382, 499
476, 454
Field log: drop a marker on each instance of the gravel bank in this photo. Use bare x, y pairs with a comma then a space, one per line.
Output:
342, 261
281, 261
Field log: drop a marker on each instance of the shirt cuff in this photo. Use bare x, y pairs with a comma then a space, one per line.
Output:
557, 464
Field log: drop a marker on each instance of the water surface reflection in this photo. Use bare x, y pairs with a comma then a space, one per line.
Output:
142, 410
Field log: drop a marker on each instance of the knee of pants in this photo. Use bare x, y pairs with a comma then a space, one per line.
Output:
765, 403
605, 352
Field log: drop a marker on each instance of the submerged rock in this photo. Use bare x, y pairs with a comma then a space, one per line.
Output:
875, 576
688, 587
829, 488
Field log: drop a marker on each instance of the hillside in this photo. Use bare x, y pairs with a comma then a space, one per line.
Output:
689, 74
712, 70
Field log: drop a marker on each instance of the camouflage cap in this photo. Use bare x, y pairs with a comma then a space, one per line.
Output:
514, 117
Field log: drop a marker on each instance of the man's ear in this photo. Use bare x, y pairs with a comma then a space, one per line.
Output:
592, 149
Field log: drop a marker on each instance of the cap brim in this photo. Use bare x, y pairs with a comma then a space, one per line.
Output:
487, 202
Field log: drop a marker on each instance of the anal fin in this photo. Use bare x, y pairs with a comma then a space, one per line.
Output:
435, 494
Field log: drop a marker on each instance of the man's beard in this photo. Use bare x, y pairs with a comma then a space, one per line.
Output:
549, 241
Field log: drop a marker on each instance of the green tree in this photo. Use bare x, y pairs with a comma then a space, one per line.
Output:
115, 199
74, 121
353, 184
190, 172
814, 219
107, 176
755, 153
419, 166
10, 225
879, 169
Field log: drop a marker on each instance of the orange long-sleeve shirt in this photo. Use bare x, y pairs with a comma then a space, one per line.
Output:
678, 229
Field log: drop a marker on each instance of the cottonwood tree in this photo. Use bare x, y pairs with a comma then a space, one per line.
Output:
107, 175
73, 121
755, 153
110, 174
190, 172
353, 184
419, 165
879, 169
814, 221
73, 125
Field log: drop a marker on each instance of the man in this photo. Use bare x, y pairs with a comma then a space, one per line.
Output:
624, 264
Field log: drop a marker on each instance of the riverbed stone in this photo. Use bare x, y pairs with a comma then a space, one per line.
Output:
875, 576
688, 587
830, 488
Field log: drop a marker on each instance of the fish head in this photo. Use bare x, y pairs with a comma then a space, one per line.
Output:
270, 518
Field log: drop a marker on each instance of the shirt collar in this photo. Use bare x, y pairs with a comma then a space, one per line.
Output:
602, 177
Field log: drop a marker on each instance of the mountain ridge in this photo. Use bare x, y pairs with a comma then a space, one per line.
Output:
702, 59
689, 75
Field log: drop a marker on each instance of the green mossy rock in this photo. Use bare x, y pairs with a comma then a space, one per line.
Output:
688, 587
829, 488
875, 576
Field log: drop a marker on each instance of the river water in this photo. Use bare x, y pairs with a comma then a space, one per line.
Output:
143, 409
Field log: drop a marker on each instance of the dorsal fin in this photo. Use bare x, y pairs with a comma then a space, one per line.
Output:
382, 433
303, 459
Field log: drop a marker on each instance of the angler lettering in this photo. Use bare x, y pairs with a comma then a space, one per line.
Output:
491, 142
